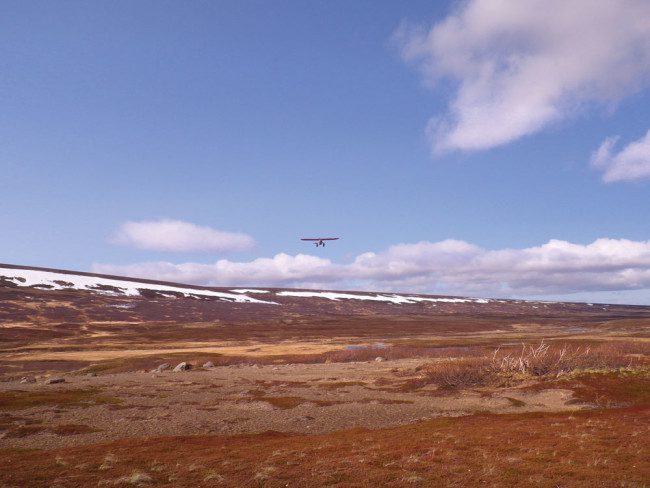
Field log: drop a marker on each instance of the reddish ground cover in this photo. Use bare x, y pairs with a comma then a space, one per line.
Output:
605, 448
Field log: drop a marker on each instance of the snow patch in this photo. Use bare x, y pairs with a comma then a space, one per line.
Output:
343, 296
250, 291
397, 299
59, 281
450, 300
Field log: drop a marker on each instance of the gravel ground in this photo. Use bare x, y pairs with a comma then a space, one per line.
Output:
300, 398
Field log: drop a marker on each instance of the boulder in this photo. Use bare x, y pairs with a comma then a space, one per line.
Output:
163, 367
379, 359
208, 365
27, 379
52, 381
182, 367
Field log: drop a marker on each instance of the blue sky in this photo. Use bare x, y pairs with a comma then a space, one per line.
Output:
282, 119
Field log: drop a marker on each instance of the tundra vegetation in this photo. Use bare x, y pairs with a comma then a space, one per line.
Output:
318, 393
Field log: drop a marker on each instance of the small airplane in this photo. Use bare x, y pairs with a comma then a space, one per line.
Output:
319, 241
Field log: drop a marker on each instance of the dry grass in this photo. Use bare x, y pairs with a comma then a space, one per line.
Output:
267, 356
400, 352
461, 373
545, 359
137, 477
132, 360
542, 360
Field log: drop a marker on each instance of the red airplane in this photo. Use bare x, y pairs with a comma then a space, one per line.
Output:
319, 241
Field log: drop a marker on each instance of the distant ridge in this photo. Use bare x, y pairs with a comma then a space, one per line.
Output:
20, 276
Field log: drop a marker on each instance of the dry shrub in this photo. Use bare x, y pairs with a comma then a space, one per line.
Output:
460, 373
546, 359
541, 360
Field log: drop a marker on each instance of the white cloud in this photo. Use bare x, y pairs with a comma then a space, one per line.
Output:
630, 163
518, 66
446, 267
176, 235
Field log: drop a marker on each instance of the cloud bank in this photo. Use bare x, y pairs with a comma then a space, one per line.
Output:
629, 164
445, 267
179, 236
518, 66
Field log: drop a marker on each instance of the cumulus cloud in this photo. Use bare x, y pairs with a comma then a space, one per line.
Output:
446, 267
518, 66
630, 163
178, 236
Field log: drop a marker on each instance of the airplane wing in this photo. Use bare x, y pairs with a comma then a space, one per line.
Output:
319, 239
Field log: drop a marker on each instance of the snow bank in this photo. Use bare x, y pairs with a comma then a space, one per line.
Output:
61, 281
398, 299
250, 291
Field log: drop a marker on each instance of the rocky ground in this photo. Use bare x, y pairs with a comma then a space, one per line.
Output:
295, 398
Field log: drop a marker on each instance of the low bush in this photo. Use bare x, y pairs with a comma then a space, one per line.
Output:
546, 359
541, 360
460, 373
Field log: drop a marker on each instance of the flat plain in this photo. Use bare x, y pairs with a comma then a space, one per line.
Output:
318, 389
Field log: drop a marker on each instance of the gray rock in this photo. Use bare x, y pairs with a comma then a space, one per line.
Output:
163, 367
182, 367
379, 359
208, 365
52, 381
